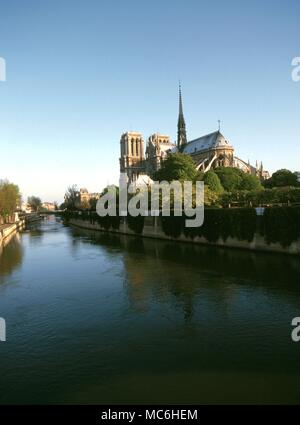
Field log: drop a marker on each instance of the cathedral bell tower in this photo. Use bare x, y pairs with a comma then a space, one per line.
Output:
181, 131
132, 158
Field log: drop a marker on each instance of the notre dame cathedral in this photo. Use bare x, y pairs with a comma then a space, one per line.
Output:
209, 151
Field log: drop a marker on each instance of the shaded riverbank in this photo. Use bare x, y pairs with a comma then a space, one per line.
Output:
153, 228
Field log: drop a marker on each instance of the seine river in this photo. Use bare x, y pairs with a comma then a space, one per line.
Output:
95, 318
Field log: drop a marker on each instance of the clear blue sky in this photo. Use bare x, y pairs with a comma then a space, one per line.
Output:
79, 73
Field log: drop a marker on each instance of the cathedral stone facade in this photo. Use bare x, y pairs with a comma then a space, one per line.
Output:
132, 160
158, 147
209, 151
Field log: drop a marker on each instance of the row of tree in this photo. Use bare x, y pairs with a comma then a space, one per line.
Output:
180, 166
10, 200
224, 186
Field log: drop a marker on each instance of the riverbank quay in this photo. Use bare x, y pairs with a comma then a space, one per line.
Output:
19, 223
274, 229
7, 229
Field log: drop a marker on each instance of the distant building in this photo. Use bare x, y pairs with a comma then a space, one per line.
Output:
49, 206
85, 196
209, 152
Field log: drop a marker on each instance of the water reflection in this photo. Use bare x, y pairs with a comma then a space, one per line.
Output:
104, 318
11, 255
168, 271
34, 233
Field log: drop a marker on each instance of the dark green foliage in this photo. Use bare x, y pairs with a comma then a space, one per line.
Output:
231, 178
106, 222
172, 226
199, 176
243, 223
136, 224
282, 224
250, 182
211, 228
213, 182
278, 224
238, 223
255, 198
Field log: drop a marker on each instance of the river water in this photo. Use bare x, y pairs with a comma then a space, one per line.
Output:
96, 318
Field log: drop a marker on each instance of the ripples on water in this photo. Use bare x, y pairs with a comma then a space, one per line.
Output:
97, 318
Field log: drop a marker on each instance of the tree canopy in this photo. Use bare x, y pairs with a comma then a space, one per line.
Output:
282, 178
231, 178
72, 198
213, 182
177, 166
250, 182
234, 179
35, 202
9, 197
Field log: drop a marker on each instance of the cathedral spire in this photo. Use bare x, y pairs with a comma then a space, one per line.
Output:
180, 100
181, 131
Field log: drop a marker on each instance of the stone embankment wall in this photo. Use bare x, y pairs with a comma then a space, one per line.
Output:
19, 223
7, 229
153, 229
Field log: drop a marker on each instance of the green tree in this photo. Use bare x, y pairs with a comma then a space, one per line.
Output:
210, 197
34, 202
10, 198
282, 178
72, 198
231, 178
177, 166
213, 182
250, 182
200, 176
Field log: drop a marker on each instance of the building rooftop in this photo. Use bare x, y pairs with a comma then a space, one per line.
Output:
207, 142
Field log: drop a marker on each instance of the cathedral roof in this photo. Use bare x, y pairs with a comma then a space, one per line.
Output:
207, 142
